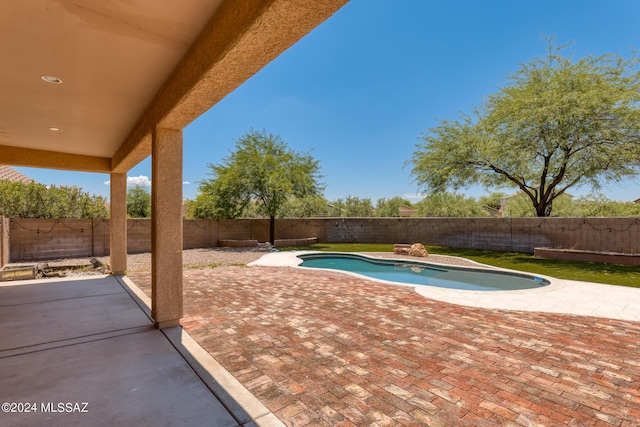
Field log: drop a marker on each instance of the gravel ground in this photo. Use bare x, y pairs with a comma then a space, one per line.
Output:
191, 258
212, 257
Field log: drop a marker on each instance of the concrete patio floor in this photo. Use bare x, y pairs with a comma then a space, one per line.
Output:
84, 352
327, 349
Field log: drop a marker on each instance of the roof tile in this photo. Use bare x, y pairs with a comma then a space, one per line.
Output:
13, 175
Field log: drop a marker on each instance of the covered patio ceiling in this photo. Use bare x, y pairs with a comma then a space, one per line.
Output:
84, 82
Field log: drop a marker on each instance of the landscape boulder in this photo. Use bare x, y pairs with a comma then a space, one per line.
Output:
401, 248
417, 249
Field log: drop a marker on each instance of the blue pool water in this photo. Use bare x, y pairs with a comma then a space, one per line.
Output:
420, 273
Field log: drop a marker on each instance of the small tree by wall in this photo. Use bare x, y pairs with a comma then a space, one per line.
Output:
138, 202
262, 169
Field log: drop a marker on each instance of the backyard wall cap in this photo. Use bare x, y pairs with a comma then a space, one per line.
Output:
588, 256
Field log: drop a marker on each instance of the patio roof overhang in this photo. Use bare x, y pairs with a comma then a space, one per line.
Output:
98, 86
127, 67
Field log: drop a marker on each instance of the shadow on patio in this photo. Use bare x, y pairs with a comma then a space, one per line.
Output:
84, 352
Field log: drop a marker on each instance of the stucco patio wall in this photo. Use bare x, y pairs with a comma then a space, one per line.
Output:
35, 239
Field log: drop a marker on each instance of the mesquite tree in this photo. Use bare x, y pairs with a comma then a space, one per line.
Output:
556, 124
262, 169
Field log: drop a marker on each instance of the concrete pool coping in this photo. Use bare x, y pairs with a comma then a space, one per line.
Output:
560, 296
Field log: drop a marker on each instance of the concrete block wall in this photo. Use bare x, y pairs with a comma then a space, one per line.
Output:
199, 233
295, 228
38, 239
500, 234
100, 237
241, 229
138, 236
34, 239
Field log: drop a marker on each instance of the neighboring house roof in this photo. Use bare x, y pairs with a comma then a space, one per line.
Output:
13, 175
492, 211
405, 211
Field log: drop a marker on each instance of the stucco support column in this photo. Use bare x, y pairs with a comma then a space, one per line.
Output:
118, 223
166, 227
4, 241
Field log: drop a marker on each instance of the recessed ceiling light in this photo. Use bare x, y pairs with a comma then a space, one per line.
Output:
51, 79
55, 129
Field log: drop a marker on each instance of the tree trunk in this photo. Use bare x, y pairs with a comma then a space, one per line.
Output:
272, 230
544, 209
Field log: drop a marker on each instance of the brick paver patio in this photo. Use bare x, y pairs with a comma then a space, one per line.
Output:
329, 349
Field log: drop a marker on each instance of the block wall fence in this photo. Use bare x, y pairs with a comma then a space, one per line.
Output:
45, 239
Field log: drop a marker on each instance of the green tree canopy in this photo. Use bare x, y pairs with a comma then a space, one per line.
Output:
492, 200
557, 123
391, 207
519, 206
352, 206
450, 205
600, 205
138, 202
34, 200
262, 168
304, 207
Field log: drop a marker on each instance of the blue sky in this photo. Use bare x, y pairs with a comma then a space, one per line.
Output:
360, 89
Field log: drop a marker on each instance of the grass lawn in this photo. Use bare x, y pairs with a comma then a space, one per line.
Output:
613, 274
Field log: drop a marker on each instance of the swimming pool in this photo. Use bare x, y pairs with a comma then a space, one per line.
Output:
422, 273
